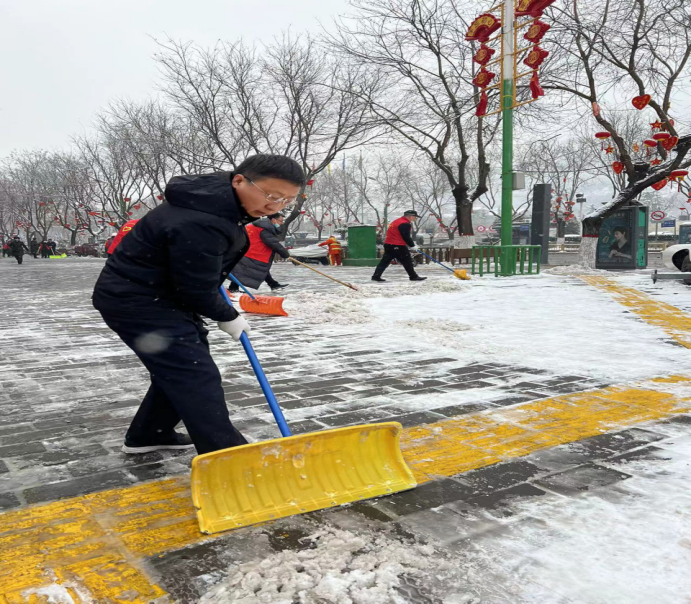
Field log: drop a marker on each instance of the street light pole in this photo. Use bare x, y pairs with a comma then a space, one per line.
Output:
507, 102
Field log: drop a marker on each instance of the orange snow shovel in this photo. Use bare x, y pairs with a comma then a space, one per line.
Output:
261, 305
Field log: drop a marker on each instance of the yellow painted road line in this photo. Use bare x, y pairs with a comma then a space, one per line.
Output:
98, 543
671, 319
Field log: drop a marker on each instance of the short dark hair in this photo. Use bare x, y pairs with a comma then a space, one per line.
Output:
261, 166
620, 229
276, 215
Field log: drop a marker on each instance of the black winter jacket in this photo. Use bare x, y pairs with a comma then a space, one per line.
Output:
251, 272
177, 256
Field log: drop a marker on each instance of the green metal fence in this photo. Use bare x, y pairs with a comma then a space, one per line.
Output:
522, 259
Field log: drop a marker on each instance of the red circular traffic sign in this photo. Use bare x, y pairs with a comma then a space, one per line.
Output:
657, 215
481, 229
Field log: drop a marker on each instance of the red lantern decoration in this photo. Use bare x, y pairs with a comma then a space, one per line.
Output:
609, 150
656, 162
670, 143
656, 125
483, 78
126, 199
661, 136
602, 137
678, 175
535, 57
482, 28
137, 206
651, 144
110, 223
92, 213
660, 184
532, 8
618, 167
41, 203
310, 182
129, 213
641, 102
536, 90
159, 197
484, 55
536, 31
636, 147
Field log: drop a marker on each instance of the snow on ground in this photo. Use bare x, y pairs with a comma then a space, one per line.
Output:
339, 567
630, 546
574, 269
549, 322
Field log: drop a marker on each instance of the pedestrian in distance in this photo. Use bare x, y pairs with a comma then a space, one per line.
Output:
17, 248
164, 276
109, 241
255, 267
398, 245
334, 250
33, 247
53, 247
6, 246
44, 248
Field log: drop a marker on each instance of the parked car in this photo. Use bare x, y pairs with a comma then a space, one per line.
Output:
86, 249
311, 254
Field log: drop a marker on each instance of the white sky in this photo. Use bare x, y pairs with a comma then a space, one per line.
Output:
63, 60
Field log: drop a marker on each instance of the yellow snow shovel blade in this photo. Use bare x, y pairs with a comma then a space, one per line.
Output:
264, 481
460, 273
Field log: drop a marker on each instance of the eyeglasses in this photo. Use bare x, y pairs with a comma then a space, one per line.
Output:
280, 200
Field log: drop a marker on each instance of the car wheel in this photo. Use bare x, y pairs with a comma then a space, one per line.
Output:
686, 268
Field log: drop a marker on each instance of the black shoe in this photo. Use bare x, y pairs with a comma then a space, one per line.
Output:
378, 279
418, 278
175, 442
278, 286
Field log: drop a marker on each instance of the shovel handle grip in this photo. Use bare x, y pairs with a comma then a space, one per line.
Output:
240, 285
261, 377
322, 274
437, 261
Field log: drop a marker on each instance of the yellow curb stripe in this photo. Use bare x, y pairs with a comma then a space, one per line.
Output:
99, 543
671, 319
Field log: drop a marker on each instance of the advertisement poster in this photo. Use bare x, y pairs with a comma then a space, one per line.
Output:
685, 233
615, 248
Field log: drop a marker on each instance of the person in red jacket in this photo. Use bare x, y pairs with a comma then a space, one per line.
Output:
398, 245
334, 250
255, 267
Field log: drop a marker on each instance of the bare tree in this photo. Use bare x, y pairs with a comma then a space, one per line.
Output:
418, 52
615, 49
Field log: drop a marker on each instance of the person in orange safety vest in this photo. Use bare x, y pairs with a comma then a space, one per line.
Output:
334, 250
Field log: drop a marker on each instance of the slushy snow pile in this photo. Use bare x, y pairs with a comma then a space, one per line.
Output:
575, 269
345, 306
341, 567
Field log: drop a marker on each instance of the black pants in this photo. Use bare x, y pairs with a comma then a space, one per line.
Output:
396, 252
185, 382
270, 281
19, 257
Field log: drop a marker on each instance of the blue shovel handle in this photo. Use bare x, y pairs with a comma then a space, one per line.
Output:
437, 261
261, 377
244, 289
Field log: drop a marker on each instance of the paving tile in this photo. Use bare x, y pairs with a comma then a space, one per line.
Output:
8, 501
3, 467
455, 410
605, 445
414, 419
79, 486
651, 453
423, 497
587, 477
364, 416
21, 449
466, 385
502, 475
502, 503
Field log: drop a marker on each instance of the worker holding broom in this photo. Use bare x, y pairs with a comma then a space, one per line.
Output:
255, 267
334, 250
398, 245
164, 276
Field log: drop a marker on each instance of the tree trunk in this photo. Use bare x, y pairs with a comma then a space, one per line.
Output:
464, 215
73, 238
588, 248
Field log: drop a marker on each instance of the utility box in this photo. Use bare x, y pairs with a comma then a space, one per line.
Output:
623, 240
362, 246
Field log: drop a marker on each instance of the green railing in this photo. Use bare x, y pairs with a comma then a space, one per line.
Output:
518, 257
